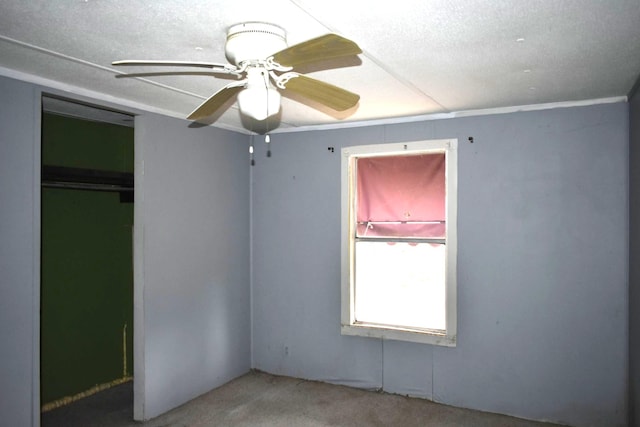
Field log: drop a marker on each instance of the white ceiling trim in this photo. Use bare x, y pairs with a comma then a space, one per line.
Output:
70, 91
456, 114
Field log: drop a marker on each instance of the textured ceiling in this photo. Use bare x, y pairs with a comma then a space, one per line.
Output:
419, 57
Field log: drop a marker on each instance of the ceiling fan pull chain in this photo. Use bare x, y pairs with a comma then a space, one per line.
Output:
253, 162
267, 140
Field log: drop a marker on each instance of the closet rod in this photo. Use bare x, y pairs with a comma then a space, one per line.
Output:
86, 186
69, 177
400, 222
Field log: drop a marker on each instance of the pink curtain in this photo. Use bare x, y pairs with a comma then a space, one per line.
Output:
397, 194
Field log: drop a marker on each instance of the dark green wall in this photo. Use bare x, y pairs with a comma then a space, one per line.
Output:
87, 262
84, 144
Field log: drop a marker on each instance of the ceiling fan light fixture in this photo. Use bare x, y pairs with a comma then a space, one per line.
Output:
259, 103
260, 99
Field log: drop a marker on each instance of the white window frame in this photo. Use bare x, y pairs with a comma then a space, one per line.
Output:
349, 326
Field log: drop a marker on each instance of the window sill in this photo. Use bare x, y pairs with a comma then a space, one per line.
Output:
399, 334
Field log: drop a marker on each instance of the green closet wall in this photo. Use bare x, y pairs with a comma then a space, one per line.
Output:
87, 262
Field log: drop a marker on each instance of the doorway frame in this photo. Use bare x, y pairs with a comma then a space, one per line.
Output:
93, 100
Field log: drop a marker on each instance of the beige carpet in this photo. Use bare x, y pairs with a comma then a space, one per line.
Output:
259, 399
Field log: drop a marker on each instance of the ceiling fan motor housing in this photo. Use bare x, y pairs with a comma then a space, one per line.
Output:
253, 41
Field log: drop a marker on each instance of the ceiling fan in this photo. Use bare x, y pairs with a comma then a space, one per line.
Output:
263, 63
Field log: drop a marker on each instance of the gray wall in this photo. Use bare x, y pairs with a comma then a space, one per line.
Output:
634, 256
543, 222
19, 254
192, 197
542, 267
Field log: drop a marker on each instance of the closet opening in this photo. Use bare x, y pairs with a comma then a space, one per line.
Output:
86, 319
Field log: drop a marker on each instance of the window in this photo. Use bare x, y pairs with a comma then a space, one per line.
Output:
399, 241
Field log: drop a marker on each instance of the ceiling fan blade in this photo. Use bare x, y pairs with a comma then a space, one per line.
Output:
324, 47
216, 101
169, 63
324, 93
218, 68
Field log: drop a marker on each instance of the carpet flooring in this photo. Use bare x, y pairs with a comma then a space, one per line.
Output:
260, 399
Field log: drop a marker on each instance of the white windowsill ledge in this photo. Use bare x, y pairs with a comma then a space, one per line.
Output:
399, 334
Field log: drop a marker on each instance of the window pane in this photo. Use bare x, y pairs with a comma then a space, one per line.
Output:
400, 284
401, 196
